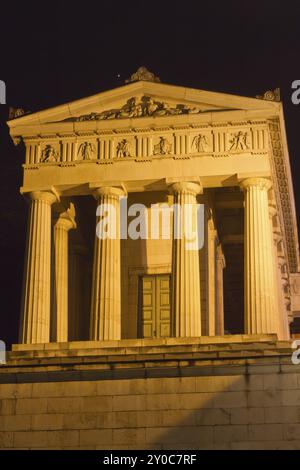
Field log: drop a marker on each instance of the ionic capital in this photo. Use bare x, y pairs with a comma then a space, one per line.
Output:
66, 219
65, 222
112, 191
48, 197
186, 187
261, 183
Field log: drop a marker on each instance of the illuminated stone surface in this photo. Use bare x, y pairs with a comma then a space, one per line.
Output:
167, 363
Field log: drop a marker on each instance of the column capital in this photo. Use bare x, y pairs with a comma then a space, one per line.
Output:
63, 221
49, 197
66, 219
114, 191
185, 187
220, 255
261, 183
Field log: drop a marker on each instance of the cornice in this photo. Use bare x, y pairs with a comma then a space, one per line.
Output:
134, 129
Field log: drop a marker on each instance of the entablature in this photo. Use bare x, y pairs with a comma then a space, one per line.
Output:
231, 138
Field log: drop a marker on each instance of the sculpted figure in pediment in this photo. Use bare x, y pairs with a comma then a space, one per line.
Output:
134, 107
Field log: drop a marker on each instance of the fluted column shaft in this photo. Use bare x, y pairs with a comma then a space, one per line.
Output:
106, 289
35, 324
220, 292
186, 305
260, 306
211, 276
63, 224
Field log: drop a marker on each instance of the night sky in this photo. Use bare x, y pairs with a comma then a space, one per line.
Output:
59, 51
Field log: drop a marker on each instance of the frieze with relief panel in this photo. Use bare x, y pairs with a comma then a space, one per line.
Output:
144, 143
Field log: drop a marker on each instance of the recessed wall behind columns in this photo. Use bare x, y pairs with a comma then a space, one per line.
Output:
234, 288
81, 251
245, 403
140, 257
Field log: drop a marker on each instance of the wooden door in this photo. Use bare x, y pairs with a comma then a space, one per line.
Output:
154, 308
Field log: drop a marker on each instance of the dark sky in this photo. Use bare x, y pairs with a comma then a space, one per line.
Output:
55, 52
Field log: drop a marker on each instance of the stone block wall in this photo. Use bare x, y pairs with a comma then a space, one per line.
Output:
229, 402
213, 412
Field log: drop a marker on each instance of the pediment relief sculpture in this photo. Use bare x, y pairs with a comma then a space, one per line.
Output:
139, 107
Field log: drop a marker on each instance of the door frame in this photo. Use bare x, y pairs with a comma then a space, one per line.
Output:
140, 304
135, 272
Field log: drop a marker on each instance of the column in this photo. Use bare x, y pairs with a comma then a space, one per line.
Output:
220, 291
35, 323
260, 307
106, 289
211, 274
186, 305
63, 223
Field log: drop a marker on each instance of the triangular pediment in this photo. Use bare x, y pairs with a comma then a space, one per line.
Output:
143, 99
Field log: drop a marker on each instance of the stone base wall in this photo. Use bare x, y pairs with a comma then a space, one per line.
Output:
233, 403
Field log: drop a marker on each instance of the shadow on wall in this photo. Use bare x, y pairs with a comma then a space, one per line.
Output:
237, 411
220, 412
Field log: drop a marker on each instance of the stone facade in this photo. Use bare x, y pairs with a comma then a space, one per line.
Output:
150, 142
141, 343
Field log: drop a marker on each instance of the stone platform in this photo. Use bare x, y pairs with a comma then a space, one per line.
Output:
229, 392
142, 358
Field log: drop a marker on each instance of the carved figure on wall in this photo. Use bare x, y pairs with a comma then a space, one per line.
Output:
49, 154
86, 151
139, 107
163, 147
239, 141
123, 149
200, 142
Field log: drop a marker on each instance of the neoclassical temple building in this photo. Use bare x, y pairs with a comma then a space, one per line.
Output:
158, 144
147, 309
